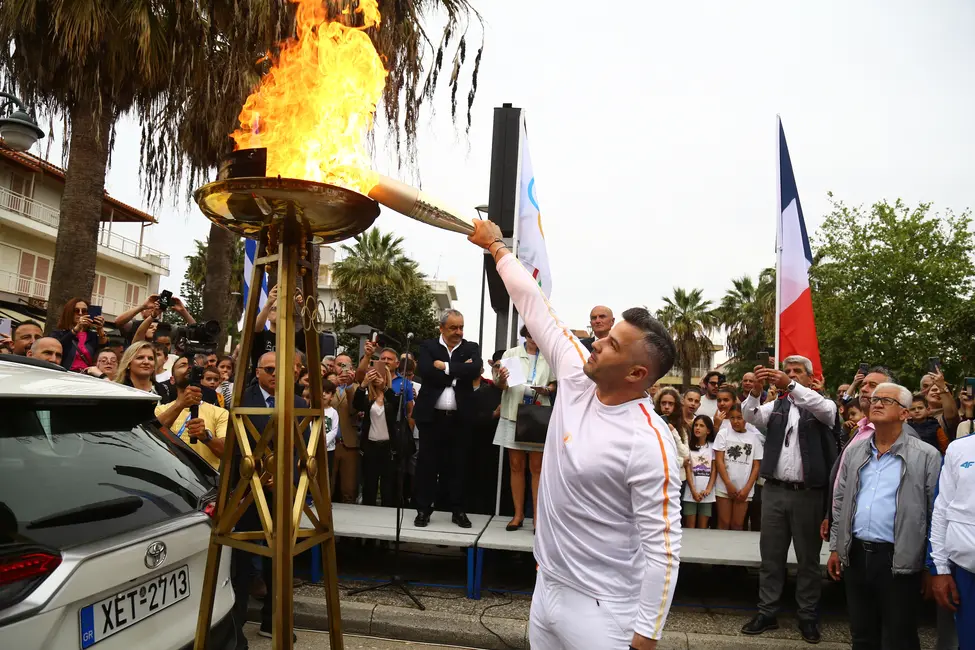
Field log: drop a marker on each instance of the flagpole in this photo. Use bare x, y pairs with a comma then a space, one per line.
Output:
511, 305
778, 234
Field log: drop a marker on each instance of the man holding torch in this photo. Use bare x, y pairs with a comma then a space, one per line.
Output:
608, 520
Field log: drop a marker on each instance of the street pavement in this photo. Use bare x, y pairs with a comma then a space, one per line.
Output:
312, 640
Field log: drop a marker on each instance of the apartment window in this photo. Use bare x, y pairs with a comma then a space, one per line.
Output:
34, 275
20, 190
134, 294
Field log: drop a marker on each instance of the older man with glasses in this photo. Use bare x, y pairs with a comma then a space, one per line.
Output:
882, 510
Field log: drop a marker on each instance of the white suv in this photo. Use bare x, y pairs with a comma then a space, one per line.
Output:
104, 519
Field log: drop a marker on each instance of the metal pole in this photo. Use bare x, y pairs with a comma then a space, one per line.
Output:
778, 234
480, 328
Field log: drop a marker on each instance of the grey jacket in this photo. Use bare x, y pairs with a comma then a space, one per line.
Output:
920, 467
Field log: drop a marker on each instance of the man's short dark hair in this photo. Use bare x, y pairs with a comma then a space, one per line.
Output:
714, 373
524, 331
919, 397
27, 322
660, 346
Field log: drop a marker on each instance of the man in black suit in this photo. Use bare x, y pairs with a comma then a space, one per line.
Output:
601, 321
443, 411
261, 393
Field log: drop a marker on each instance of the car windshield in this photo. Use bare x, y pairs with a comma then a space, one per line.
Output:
73, 472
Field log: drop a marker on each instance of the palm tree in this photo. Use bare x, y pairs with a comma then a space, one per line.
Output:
198, 277
748, 312
176, 66
376, 259
94, 61
689, 318
196, 130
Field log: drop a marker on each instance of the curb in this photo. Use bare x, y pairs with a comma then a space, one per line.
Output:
410, 624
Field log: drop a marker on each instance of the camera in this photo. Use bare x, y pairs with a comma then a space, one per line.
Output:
195, 338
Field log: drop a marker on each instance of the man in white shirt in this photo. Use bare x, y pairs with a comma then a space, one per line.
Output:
709, 399
608, 520
952, 548
801, 445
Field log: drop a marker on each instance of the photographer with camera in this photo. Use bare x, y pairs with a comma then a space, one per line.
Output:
201, 425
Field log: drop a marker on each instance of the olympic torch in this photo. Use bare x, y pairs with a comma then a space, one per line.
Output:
418, 205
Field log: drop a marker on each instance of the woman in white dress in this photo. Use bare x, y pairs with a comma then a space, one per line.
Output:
537, 390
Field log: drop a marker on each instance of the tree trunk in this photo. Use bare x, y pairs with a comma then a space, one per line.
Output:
217, 301
81, 208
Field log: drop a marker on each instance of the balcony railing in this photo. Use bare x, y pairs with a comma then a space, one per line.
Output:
50, 216
23, 285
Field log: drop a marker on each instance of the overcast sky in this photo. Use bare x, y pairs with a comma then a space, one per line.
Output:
652, 133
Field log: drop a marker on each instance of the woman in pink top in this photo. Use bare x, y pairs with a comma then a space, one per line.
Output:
79, 335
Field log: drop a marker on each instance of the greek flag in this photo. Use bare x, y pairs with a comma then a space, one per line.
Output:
250, 252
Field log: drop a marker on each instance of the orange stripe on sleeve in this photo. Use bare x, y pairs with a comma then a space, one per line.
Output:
666, 507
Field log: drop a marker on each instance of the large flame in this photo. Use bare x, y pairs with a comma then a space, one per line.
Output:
315, 108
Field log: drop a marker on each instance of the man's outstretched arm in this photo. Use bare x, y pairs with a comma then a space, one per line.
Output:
559, 346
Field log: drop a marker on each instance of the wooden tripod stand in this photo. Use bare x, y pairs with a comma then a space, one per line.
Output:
276, 466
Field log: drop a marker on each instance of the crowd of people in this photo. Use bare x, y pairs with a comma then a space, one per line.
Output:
881, 474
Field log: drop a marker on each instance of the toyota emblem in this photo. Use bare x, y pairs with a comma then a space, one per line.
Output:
155, 555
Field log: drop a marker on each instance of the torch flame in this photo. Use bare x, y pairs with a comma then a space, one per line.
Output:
315, 108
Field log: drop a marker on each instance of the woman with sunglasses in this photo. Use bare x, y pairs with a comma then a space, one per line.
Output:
79, 335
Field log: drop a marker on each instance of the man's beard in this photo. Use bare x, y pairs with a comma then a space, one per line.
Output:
183, 383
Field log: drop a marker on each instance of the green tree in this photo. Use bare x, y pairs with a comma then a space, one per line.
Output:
689, 318
195, 284
748, 313
393, 310
887, 285
375, 260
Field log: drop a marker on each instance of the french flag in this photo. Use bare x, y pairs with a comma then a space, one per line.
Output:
795, 331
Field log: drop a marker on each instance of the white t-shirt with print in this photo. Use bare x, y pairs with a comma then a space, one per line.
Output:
740, 451
331, 427
702, 464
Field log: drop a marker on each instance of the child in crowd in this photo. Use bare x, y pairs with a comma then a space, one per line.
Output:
699, 489
726, 399
927, 427
211, 379
738, 453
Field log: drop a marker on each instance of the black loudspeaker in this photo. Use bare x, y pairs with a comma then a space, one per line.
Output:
503, 190
327, 344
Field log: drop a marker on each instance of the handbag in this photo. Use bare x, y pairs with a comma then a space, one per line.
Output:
531, 424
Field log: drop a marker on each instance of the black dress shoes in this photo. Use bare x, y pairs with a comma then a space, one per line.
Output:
760, 623
422, 519
461, 520
809, 631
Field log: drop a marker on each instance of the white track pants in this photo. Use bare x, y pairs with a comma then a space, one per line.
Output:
565, 619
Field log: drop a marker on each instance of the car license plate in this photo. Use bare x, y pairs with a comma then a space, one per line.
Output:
123, 610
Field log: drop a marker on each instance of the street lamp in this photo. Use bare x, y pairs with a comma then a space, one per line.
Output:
18, 130
482, 213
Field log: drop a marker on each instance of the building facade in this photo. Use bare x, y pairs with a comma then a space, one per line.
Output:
126, 271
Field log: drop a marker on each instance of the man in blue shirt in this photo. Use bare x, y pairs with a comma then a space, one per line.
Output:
882, 508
